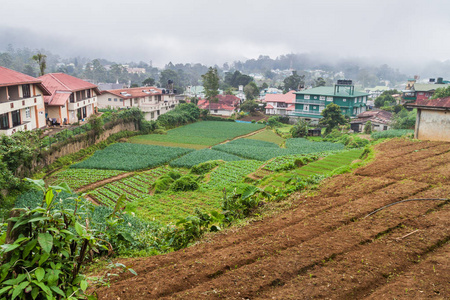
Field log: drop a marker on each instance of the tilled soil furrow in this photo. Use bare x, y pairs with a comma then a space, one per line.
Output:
355, 275
272, 272
280, 239
434, 281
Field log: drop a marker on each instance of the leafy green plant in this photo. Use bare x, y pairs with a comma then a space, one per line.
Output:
45, 251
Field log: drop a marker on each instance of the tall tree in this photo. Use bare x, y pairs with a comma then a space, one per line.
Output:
40, 59
251, 91
319, 82
332, 117
293, 82
211, 85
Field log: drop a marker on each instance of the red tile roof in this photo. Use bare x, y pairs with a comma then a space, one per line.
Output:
60, 82
134, 92
291, 107
289, 97
439, 103
269, 106
204, 104
10, 77
58, 98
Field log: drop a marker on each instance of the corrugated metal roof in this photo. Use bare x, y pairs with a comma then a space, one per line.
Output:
289, 97
329, 91
427, 87
432, 103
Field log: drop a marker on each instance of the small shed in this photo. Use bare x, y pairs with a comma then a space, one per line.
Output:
433, 119
315, 132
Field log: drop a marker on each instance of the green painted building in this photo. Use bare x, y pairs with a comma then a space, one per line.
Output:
310, 103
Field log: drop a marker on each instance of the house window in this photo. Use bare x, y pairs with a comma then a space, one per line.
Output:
384, 127
88, 92
152, 114
356, 100
305, 107
27, 113
306, 97
322, 98
109, 99
4, 121
72, 98
314, 107
115, 99
215, 111
329, 98
421, 94
26, 91
315, 97
364, 99
121, 100
15, 118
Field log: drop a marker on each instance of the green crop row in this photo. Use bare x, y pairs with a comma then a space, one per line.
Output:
130, 157
231, 173
263, 151
206, 133
194, 158
391, 133
77, 178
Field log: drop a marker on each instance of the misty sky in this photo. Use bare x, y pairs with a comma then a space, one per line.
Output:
215, 31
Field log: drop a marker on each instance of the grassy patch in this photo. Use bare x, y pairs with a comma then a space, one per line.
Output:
267, 136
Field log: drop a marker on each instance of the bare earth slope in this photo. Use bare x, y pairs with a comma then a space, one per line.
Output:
324, 247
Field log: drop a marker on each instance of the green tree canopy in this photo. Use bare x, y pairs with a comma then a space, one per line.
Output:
149, 81
293, 82
39, 58
236, 79
441, 93
300, 129
211, 85
332, 117
319, 82
249, 106
251, 91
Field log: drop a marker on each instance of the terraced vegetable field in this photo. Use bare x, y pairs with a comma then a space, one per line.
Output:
230, 173
77, 178
134, 187
262, 150
131, 157
324, 246
194, 158
206, 133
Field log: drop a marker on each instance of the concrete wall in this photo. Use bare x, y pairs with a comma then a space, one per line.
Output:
432, 125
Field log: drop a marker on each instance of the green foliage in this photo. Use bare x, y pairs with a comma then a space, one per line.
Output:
236, 79
290, 162
274, 122
251, 91
205, 167
404, 119
211, 84
300, 129
261, 150
130, 157
293, 82
350, 141
230, 173
249, 105
391, 133
162, 184
182, 114
49, 249
368, 127
332, 117
185, 183
194, 158
384, 100
441, 92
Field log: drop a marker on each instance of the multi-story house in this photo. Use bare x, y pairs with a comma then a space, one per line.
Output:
71, 99
310, 103
422, 91
21, 102
280, 104
152, 101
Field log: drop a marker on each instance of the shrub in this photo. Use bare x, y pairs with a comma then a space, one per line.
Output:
205, 167
185, 183
162, 184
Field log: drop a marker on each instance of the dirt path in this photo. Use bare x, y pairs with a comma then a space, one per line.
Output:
103, 182
323, 247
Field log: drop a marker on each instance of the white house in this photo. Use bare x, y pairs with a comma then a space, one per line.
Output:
71, 99
152, 101
21, 102
280, 104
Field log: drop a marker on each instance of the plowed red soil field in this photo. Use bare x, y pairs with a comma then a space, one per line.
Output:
324, 247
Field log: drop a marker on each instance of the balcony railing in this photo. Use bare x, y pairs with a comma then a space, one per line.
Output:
317, 102
12, 130
307, 112
12, 105
82, 103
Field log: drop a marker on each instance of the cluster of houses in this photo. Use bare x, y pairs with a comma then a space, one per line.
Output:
27, 103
